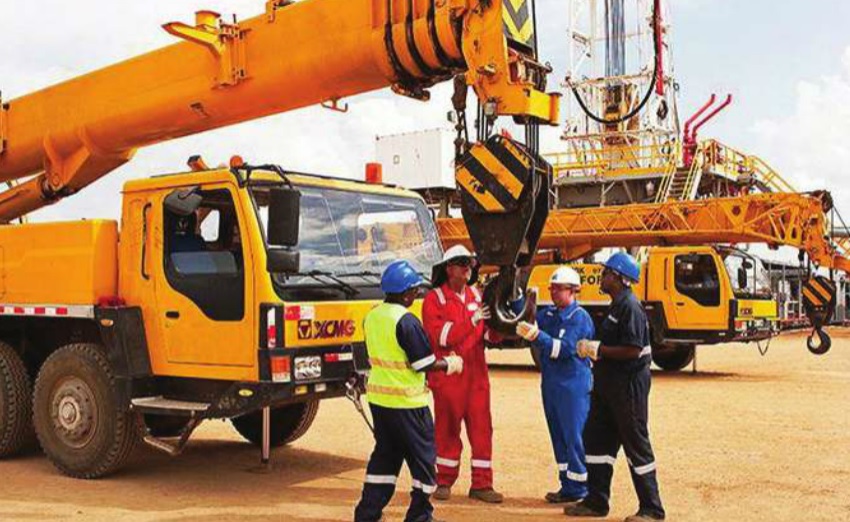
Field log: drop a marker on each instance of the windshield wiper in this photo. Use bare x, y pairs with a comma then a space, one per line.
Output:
342, 285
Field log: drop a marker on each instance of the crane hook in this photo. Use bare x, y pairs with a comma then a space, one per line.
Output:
824, 341
498, 294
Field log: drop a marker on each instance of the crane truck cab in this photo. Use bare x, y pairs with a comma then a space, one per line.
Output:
692, 294
224, 292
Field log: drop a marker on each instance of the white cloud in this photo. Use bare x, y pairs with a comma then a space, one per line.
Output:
808, 145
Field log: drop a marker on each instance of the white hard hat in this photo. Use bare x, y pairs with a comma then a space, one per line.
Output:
455, 252
565, 276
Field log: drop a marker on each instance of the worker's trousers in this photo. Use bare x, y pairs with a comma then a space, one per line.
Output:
619, 411
566, 400
401, 435
460, 401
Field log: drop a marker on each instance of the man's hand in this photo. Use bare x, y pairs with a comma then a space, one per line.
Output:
454, 364
587, 349
527, 331
482, 314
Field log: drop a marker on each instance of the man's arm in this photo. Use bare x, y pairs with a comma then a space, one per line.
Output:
446, 333
413, 340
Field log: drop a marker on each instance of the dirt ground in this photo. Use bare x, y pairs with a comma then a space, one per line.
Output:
745, 438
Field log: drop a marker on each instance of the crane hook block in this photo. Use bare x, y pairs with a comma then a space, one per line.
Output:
819, 303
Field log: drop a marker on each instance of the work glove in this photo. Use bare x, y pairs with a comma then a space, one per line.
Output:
455, 364
587, 349
528, 331
482, 314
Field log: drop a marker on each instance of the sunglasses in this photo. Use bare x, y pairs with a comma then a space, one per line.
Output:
462, 261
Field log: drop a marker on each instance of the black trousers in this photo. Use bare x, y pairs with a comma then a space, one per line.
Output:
619, 411
400, 436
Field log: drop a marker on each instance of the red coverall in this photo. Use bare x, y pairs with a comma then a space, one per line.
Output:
447, 318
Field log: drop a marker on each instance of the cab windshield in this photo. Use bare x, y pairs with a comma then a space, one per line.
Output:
747, 274
354, 235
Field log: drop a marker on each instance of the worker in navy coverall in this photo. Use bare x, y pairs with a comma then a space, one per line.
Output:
566, 379
619, 404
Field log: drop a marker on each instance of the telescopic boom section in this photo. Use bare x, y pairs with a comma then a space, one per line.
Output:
295, 55
785, 219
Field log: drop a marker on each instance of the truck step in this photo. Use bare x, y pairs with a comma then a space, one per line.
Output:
165, 406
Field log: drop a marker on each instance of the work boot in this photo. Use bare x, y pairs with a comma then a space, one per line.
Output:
583, 510
642, 517
488, 495
557, 497
442, 493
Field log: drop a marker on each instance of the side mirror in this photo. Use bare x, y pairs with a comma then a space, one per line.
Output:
283, 260
284, 216
283, 225
742, 277
184, 201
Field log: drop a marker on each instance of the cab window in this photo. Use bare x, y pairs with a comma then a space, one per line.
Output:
203, 256
697, 277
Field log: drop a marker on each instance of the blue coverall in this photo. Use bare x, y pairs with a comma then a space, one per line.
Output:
566, 384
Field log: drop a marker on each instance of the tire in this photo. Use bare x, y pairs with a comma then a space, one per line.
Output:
165, 425
288, 423
673, 358
82, 429
16, 431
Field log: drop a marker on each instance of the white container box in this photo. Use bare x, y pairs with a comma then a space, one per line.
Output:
418, 160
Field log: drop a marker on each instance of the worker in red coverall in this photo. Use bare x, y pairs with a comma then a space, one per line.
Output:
454, 319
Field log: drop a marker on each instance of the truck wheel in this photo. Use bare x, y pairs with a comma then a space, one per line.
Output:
288, 423
165, 425
673, 358
81, 427
15, 403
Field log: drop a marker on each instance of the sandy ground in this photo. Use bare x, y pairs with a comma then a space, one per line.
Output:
745, 438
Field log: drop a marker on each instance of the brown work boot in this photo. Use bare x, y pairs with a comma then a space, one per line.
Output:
488, 495
642, 517
583, 510
442, 493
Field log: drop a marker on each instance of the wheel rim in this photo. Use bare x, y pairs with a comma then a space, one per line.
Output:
74, 412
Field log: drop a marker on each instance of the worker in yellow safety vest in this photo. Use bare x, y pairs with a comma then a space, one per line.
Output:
400, 355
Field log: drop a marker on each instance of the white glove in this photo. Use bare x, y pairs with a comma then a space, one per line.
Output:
586, 348
455, 364
528, 331
482, 314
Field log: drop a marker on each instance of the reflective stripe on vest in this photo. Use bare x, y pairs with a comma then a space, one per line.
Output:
392, 382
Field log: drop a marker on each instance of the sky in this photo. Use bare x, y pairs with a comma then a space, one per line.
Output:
786, 63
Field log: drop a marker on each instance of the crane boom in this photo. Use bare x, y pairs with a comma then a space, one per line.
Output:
294, 55
789, 219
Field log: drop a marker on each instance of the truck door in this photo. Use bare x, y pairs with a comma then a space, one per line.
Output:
205, 291
694, 298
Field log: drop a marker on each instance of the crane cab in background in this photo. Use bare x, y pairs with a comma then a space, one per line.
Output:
692, 295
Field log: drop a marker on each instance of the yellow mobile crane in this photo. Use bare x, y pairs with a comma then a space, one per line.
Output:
229, 292
689, 295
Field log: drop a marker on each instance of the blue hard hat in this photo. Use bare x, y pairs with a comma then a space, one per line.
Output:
399, 277
625, 265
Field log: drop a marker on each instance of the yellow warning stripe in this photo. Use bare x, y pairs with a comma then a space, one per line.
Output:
520, 34
484, 198
517, 153
498, 170
517, 4
811, 296
817, 286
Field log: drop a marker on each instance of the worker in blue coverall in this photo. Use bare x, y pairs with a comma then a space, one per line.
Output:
566, 379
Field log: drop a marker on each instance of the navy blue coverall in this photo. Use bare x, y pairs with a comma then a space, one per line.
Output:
402, 435
619, 410
566, 384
